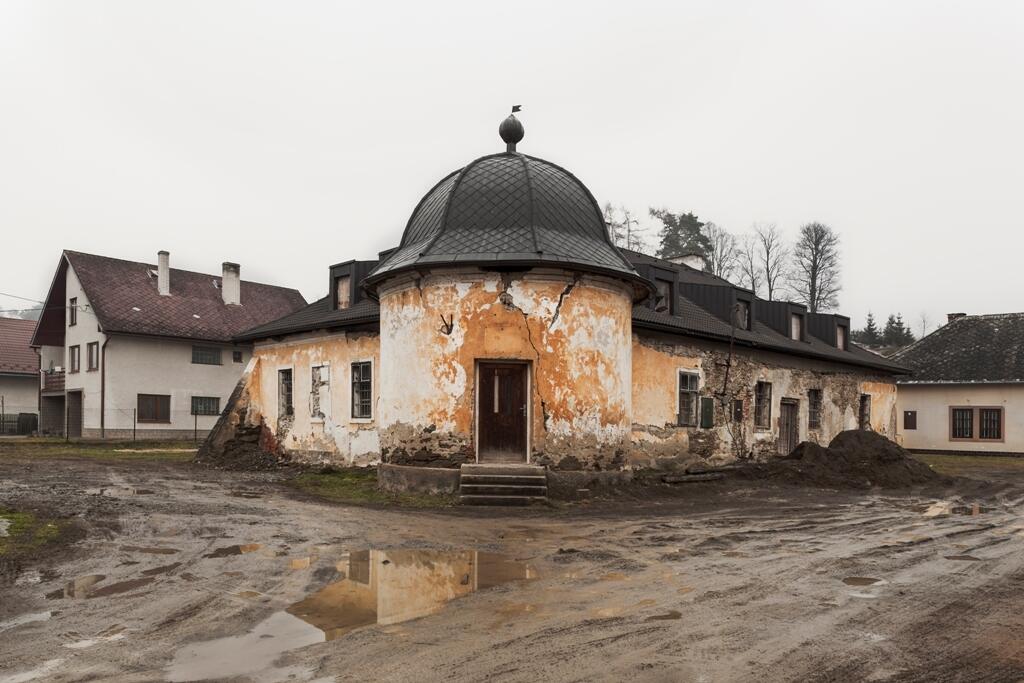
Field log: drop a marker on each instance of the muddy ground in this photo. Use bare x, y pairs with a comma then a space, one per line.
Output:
183, 573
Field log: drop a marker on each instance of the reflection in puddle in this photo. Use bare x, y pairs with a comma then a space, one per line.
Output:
235, 550
964, 558
380, 587
23, 619
149, 551
671, 615
118, 491
860, 581
83, 587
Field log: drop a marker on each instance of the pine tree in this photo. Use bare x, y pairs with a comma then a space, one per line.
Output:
870, 334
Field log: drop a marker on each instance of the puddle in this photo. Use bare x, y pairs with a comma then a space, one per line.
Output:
23, 619
41, 671
105, 636
860, 581
161, 570
230, 550
671, 615
971, 510
964, 558
120, 587
149, 551
118, 491
5, 524
380, 587
246, 494
77, 588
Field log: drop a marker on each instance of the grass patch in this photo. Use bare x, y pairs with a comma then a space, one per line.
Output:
358, 486
23, 533
174, 451
973, 465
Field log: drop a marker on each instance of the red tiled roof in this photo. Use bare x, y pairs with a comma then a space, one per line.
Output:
125, 299
16, 356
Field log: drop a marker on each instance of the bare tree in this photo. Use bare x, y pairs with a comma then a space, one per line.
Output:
748, 263
815, 276
722, 257
616, 231
623, 229
925, 323
774, 257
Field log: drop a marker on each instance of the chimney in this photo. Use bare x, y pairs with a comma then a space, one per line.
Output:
950, 317
163, 273
695, 261
231, 283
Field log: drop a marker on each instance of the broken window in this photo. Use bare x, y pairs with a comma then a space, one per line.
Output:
689, 385
362, 390
206, 355
737, 410
284, 393
319, 391
92, 356
841, 334
741, 314
343, 291
74, 358
991, 421
72, 311
910, 419
865, 411
205, 405
763, 405
707, 412
663, 302
814, 409
796, 327
153, 408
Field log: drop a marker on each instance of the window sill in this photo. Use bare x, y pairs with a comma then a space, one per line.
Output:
153, 422
360, 420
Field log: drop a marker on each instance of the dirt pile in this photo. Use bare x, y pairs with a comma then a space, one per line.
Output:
854, 459
250, 447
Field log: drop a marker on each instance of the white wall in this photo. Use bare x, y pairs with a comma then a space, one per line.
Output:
20, 394
85, 331
932, 403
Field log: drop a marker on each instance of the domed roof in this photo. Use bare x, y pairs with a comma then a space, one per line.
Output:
508, 210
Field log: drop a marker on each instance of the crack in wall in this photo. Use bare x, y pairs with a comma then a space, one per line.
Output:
561, 297
507, 301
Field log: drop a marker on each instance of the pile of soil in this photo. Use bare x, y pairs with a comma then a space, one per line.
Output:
245, 449
855, 459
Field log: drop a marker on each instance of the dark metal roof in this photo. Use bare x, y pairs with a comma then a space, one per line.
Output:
318, 315
972, 349
508, 210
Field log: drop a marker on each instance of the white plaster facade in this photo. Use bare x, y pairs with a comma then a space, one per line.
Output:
932, 404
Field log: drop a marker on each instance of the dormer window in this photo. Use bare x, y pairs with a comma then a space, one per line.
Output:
741, 314
841, 336
796, 327
665, 300
343, 291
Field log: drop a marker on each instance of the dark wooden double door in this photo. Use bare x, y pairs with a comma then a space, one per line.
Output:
502, 412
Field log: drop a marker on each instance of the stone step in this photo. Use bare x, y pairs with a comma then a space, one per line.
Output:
504, 479
516, 501
502, 490
507, 469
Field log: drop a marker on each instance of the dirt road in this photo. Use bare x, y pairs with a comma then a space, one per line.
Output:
183, 573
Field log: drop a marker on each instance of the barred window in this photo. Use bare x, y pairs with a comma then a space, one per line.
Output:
362, 390
284, 393
206, 355
205, 405
689, 385
962, 423
763, 405
153, 408
814, 409
991, 421
236, 356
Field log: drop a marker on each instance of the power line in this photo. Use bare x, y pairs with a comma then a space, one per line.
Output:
23, 298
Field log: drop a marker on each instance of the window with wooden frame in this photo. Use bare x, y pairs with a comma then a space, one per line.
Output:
976, 424
362, 390
153, 408
688, 409
74, 358
92, 356
343, 291
236, 356
205, 405
206, 355
284, 393
909, 419
814, 402
763, 405
72, 311
864, 416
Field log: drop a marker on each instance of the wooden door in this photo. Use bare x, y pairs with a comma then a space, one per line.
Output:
501, 413
789, 426
74, 415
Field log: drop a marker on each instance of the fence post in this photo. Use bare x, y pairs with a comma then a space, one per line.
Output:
67, 418
135, 415
195, 428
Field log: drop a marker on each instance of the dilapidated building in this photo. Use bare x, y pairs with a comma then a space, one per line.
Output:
507, 327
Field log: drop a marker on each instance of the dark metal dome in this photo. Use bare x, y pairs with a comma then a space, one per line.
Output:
508, 211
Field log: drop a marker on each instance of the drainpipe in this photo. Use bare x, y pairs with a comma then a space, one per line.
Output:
103, 389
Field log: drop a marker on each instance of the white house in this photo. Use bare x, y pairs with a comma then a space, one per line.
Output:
134, 349
19, 373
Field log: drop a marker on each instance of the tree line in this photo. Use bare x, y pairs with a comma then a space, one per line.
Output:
894, 333
763, 260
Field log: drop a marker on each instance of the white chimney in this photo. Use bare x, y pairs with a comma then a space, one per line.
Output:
231, 283
695, 261
163, 273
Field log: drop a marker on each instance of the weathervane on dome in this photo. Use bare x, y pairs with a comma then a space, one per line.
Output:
511, 130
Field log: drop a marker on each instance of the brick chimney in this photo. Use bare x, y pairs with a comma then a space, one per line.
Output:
163, 272
950, 317
231, 283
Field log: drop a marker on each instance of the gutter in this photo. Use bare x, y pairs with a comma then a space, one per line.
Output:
103, 388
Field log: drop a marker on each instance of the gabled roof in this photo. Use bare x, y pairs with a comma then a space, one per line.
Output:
16, 354
124, 297
972, 349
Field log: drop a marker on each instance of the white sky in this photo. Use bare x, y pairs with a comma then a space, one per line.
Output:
287, 136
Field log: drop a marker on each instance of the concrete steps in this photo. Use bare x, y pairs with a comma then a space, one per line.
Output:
502, 484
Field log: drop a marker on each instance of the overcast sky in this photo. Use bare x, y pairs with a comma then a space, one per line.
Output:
287, 136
